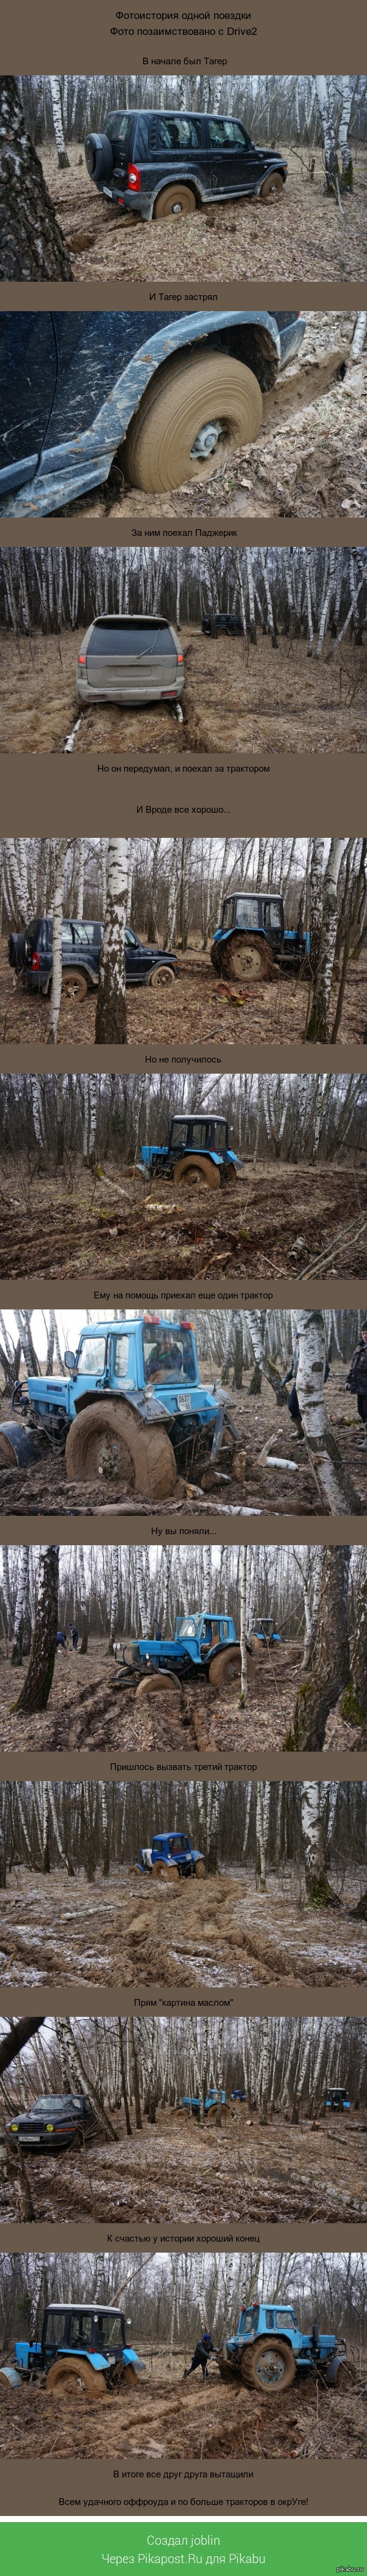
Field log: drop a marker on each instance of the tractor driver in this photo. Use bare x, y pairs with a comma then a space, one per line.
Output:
165, 1357
202, 2353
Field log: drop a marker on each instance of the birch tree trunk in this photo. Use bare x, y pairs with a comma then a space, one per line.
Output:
329, 1667
317, 1030
63, 161
343, 136
313, 1839
114, 1595
260, 1836
134, 2070
57, 916
83, 1602
19, 1606
337, 1492
244, 1685
111, 1022
38, 1679
330, 151
32, 243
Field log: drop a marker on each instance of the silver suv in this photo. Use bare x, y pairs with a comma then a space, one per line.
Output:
133, 659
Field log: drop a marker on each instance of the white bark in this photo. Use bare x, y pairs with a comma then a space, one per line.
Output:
244, 1684
335, 1484
359, 335
57, 121
57, 917
111, 1004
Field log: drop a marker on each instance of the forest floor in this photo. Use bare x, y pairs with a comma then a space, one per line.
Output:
254, 1484
300, 234
163, 2417
64, 1225
176, 2174
88, 1709
113, 1930
309, 458
253, 702
170, 1014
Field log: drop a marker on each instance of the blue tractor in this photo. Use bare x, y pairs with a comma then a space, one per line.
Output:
197, 1149
172, 1855
82, 2345
191, 2103
204, 1649
131, 1407
252, 939
268, 2350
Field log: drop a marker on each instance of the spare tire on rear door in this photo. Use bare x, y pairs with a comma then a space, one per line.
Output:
99, 156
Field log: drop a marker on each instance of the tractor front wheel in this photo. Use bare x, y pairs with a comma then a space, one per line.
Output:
166, 1869
225, 1668
269, 2364
200, 1870
158, 1682
110, 1441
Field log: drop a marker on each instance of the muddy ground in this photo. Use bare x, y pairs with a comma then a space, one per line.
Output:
177, 2175
310, 455
86, 1707
300, 234
161, 2417
255, 703
170, 1014
252, 1484
128, 1926
65, 1225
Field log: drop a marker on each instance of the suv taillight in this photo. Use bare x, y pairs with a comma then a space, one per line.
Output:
133, 175
82, 657
35, 959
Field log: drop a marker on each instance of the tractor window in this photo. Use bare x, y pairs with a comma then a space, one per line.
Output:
167, 1355
284, 2317
179, 1131
269, 2319
225, 1627
121, 1355
91, 1357
273, 915
110, 2332
179, 1843
220, 1136
56, 2327
247, 912
179, 133
227, 915
246, 2320
188, 1628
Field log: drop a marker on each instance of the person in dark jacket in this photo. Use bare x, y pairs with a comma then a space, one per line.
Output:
201, 2354
293, 1405
60, 1637
357, 1378
73, 1634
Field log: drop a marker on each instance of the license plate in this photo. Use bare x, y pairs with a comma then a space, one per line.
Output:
184, 1403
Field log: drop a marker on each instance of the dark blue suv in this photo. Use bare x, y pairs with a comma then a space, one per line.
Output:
168, 164
30, 953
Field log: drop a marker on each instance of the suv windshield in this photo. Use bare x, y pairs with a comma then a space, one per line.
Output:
167, 1354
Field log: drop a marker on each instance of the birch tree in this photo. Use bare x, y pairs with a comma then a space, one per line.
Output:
32, 243
319, 1892
62, 155
57, 916
111, 1022
324, 936
337, 1492
38, 1679
328, 1670
330, 151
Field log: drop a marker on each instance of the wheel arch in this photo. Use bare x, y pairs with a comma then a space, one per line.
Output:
74, 466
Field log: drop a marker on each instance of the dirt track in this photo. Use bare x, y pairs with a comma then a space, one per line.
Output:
256, 703
160, 1228
170, 1015
175, 2174
207, 1933
301, 234
253, 1485
162, 2417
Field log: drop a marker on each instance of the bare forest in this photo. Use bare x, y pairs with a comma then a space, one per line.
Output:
278, 1891
298, 1684
306, 604
77, 1193
274, 2153
169, 2296
313, 1460
172, 893
316, 228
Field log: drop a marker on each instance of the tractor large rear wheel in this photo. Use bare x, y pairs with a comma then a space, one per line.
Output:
110, 1441
76, 2374
269, 2365
244, 960
196, 1167
225, 1668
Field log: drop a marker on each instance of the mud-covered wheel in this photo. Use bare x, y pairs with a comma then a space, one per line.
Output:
228, 2369
192, 1168
196, 412
174, 201
76, 2374
200, 1870
163, 1869
74, 984
225, 1668
158, 1682
162, 975
109, 1441
272, 186
244, 961
270, 2365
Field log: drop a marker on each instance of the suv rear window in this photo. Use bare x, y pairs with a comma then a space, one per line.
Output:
117, 128
179, 133
226, 135
127, 640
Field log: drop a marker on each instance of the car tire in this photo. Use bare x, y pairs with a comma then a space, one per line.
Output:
174, 201
75, 983
272, 186
99, 157
181, 398
161, 975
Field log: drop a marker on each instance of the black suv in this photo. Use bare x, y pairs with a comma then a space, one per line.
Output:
57, 2120
30, 953
167, 165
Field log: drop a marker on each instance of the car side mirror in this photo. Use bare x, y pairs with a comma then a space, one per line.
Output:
69, 1359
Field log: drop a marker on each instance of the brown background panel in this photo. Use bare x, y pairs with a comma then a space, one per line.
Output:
283, 793
272, 1766
142, 531
225, 1059
233, 2000
78, 2487
200, 1296
119, 295
93, 2238
213, 38
289, 1530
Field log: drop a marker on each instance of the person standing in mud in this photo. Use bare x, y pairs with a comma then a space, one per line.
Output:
201, 2356
357, 1377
